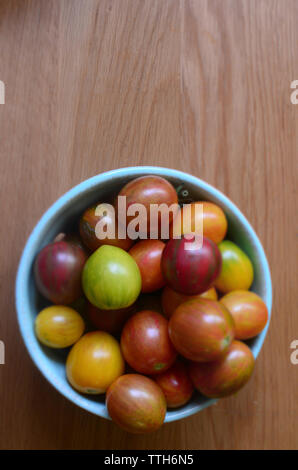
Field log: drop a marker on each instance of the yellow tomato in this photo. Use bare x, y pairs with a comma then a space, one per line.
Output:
237, 270
94, 362
210, 294
59, 326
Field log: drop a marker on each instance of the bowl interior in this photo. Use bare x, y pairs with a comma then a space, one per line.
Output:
63, 216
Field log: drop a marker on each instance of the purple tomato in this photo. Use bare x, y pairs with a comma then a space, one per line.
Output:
58, 269
190, 271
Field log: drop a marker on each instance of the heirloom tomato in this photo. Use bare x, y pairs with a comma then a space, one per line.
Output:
58, 269
236, 271
249, 312
190, 220
73, 238
145, 343
94, 362
149, 190
189, 269
88, 223
136, 403
201, 330
226, 375
59, 326
111, 278
147, 254
171, 299
175, 384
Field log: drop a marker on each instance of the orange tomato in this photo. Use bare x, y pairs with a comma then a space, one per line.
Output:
59, 326
249, 312
214, 221
171, 299
94, 362
210, 294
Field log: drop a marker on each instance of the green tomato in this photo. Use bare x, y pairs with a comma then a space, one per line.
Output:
111, 278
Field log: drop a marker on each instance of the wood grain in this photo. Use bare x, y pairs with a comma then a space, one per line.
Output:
197, 85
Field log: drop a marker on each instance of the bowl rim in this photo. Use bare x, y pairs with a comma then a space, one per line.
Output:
29, 252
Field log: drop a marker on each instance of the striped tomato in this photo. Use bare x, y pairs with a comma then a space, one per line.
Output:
193, 270
59, 326
136, 403
88, 223
58, 269
201, 330
111, 278
226, 375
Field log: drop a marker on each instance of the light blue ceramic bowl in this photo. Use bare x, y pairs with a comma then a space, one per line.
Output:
63, 215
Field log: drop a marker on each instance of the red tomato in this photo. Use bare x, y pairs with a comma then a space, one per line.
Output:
136, 403
213, 218
73, 238
190, 271
147, 254
201, 330
249, 312
171, 299
145, 343
111, 321
88, 224
175, 384
226, 375
58, 269
148, 190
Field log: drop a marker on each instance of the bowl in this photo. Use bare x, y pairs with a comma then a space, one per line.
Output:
63, 215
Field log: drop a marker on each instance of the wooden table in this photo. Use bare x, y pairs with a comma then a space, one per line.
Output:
198, 85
